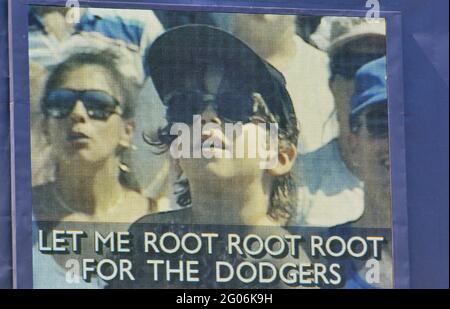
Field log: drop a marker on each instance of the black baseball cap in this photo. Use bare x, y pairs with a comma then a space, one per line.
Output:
190, 47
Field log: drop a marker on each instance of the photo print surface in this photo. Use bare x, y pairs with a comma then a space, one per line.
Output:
186, 149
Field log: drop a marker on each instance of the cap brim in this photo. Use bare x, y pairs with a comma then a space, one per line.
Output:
380, 98
191, 46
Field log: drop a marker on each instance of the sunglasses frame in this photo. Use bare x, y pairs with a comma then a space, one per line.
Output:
357, 124
206, 98
80, 97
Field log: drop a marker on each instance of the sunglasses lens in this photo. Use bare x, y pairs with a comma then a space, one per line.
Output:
182, 106
234, 107
377, 124
59, 103
99, 105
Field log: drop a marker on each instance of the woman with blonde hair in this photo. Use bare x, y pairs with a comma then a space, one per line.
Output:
88, 107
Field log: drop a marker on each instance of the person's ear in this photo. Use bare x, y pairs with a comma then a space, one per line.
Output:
127, 133
286, 160
175, 164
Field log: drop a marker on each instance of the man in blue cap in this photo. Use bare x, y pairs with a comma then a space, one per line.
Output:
369, 141
368, 122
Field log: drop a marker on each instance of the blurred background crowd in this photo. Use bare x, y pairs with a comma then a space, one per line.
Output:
319, 58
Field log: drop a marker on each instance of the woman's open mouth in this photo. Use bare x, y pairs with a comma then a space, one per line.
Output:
77, 137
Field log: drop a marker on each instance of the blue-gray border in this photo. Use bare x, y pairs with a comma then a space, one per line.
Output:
19, 125
5, 197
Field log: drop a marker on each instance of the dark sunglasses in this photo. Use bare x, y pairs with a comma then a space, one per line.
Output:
230, 106
376, 123
99, 105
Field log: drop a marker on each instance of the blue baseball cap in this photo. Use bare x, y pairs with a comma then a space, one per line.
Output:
370, 86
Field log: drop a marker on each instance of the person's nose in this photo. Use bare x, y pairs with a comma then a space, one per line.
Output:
79, 112
209, 115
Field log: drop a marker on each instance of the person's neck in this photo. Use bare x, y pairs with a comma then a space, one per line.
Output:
91, 189
230, 202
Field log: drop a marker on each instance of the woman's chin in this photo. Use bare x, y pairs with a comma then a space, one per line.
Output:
219, 168
81, 157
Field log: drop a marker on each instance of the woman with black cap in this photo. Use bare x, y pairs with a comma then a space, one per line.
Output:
207, 76
204, 71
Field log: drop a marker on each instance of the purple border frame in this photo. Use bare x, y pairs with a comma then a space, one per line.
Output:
5, 197
20, 144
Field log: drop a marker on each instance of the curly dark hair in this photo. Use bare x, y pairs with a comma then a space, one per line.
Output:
283, 195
